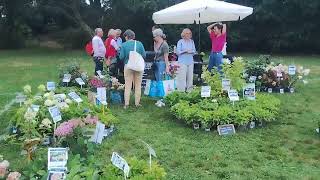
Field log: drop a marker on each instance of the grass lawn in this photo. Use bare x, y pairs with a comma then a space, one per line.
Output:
286, 149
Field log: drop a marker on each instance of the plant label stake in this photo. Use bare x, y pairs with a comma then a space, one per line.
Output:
98, 133
152, 152
66, 78
249, 91
269, 90
227, 129
20, 98
292, 70
233, 95
226, 84
51, 86
120, 163
205, 91
80, 82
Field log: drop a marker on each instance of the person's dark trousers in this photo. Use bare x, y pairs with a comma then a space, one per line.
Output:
99, 64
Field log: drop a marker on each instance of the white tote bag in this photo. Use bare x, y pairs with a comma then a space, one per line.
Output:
136, 61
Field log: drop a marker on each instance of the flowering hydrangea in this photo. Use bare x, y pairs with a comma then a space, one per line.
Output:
48, 103
4, 168
27, 89
66, 128
96, 82
91, 120
14, 176
68, 101
46, 123
41, 88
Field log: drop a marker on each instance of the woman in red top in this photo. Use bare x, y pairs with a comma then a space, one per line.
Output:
218, 37
111, 51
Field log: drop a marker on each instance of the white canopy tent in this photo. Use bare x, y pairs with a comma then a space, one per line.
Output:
201, 12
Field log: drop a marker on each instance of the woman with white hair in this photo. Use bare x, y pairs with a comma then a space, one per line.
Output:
185, 51
161, 60
111, 51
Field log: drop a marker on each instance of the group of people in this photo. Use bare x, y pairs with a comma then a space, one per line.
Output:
114, 52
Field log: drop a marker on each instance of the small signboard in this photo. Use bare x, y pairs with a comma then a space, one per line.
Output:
20, 98
57, 159
120, 163
102, 95
249, 91
227, 129
233, 95
66, 78
269, 90
51, 86
292, 70
55, 114
80, 81
98, 133
100, 74
205, 91
226, 84
75, 97
253, 79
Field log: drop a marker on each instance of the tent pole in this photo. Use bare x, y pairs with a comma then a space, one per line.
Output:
199, 30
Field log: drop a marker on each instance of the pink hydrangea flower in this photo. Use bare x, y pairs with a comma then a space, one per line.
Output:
91, 120
66, 128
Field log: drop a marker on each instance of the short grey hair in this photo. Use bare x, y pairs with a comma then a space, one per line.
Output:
129, 34
112, 32
119, 31
97, 30
157, 32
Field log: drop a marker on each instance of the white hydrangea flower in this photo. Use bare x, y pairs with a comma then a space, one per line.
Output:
42, 88
48, 103
46, 123
68, 101
299, 77
27, 89
306, 72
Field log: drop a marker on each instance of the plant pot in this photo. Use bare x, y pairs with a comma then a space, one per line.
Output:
260, 124
269, 90
116, 96
196, 125
281, 90
47, 140
242, 128
251, 125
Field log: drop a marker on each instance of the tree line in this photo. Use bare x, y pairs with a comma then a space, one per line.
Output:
275, 26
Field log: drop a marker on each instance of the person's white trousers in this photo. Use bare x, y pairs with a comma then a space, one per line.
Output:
184, 79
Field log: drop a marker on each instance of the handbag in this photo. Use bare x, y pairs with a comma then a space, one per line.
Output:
136, 61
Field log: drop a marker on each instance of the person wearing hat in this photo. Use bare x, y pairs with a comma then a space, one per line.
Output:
161, 58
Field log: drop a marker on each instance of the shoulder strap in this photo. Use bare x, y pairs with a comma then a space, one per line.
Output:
135, 45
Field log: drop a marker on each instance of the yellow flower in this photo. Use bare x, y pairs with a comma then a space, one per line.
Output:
27, 89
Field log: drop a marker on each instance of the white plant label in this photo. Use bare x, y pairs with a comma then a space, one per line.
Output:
233, 95
66, 78
226, 84
51, 86
292, 70
205, 91
57, 158
55, 114
249, 91
100, 74
102, 95
120, 163
98, 133
75, 97
80, 81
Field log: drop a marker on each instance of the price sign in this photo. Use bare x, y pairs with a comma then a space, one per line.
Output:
205, 91
75, 97
66, 78
57, 159
226, 84
233, 95
249, 91
120, 163
292, 69
80, 81
102, 95
227, 129
51, 86
55, 114
98, 133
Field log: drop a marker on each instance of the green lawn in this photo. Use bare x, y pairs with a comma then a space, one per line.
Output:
286, 149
